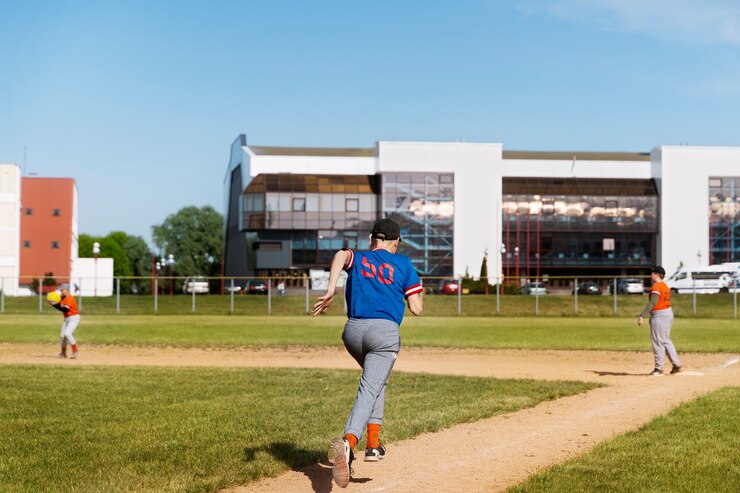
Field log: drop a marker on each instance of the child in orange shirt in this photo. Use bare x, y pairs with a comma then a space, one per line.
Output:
68, 306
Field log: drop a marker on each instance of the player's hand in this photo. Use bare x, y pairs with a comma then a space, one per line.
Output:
323, 304
639, 320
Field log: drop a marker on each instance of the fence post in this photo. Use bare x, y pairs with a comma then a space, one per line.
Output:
498, 288
459, 297
575, 297
307, 299
269, 296
231, 296
118, 295
156, 293
2, 295
734, 300
192, 289
537, 297
614, 289
41, 293
693, 288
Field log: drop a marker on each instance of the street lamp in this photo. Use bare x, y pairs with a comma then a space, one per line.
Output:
502, 251
516, 265
171, 263
96, 254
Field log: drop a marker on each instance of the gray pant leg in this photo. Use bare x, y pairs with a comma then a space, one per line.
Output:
660, 335
374, 344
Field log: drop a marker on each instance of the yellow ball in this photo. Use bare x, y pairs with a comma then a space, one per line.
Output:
53, 297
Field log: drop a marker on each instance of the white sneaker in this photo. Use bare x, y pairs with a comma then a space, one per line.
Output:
74, 354
342, 457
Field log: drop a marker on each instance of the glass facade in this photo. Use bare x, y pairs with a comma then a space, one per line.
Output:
315, 215
424, 205
553, 223
724, 219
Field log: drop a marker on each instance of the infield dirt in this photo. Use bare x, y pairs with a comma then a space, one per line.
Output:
488, 455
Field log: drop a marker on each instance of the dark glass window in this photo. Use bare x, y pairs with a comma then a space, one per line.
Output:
56, 212
55, 244
29, 211
299, 204
26, 244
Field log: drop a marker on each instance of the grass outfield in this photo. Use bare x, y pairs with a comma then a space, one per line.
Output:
694, 448
700, 335
202, 429
716, 306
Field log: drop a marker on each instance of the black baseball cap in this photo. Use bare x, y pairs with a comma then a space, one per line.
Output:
386, 229
658, 270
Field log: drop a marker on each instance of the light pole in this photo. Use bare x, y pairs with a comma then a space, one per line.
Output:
502, 251
159, 272
171, 263
516, 265
698, 257
96, 254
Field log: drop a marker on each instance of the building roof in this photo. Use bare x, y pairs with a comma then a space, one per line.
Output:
577, 155
313, 151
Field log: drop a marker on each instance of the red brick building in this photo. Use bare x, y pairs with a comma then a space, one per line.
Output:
48, 230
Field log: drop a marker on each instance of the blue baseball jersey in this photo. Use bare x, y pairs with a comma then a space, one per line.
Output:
378, 282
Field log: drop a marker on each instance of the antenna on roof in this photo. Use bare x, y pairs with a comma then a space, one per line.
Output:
25, 156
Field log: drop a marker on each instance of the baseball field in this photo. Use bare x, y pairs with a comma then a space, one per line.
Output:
234, 403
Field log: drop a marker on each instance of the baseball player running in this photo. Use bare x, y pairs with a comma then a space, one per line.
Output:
68, 306
661, 318
377, 283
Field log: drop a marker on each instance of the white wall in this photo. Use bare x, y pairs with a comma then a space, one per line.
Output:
684, 174
557, 168
315, 165
10, 227
93, 279
477, 170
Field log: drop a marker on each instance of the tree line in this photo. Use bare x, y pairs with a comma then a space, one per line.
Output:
192, 235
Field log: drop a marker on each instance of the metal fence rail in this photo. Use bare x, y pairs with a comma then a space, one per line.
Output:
553, 296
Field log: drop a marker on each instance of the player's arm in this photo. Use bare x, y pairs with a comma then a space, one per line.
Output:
63, 309
652, 301
340, 260
415, 304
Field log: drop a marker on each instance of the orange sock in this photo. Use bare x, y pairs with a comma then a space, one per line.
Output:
351, 439
373, 435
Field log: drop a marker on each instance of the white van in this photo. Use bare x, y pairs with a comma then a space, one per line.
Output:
705, 280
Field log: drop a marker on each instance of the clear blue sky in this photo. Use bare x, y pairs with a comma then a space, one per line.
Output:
140, 100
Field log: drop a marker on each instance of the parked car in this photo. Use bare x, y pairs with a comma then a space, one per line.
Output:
533, 288
199, 285
588, 287
256, 286
448, 287
628, 286
734, 286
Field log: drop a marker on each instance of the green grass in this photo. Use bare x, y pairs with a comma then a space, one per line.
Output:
703, 335
201, 429
694, 448
708, 306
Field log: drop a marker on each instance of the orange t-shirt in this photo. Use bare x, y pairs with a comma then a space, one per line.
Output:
664, 295
69, 302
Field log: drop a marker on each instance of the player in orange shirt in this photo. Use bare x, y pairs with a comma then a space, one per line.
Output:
661, 319
68, 306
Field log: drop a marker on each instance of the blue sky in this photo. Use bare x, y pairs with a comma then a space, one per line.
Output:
139, 101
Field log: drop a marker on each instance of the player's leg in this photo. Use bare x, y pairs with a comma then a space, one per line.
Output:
71, 325
657, 342
670, 349
63, 353
383, 341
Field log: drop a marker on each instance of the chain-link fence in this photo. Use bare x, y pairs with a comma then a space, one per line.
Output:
290, 296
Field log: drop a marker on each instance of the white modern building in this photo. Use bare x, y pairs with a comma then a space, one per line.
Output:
531, 213
10, 226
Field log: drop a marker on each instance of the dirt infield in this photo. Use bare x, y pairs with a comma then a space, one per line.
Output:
489, 455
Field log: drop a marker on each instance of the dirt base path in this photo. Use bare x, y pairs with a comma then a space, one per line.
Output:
489, 455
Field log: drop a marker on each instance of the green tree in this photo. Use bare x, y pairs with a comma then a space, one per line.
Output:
195, 237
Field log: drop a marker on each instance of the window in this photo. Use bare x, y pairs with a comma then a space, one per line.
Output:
299, 204
26, 244
56, 212
55, 244
352, 205
29, 211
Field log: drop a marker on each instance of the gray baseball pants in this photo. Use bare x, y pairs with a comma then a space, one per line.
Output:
374, 344
660, 335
